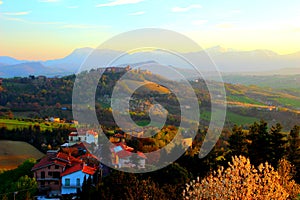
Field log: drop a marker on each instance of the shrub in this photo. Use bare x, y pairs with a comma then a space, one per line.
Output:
241, 180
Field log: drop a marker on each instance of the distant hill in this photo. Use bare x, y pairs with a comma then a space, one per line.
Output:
227, 60
30, 97
14, 153
28, 68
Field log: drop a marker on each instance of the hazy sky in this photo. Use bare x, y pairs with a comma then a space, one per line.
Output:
45, 29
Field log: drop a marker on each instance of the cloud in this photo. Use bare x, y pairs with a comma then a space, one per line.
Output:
199, 22
137, 13
185, 9
30, 22
16, 13
119, 2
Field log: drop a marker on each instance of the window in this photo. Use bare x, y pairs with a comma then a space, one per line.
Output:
56, 174
42, 174
78, 182
49, 173
56, 167
67, 182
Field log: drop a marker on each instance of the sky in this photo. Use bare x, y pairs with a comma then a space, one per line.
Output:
50, 29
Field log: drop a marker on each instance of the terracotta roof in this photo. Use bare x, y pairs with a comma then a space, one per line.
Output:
63, 156
123, 154
91, 132
141, 154
60, 158
70, 170
89, 170
73, 134
44, 162
124, 146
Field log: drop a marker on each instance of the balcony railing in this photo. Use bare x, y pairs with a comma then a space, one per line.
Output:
47, 179
71, 186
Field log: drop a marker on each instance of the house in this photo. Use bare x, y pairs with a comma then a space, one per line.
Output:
116, 138
89, 136
54, 119
48, 170
58, 167
73, 177
123, 156
187, 142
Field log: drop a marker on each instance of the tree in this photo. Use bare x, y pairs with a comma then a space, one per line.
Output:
26, 187
237, 142
277, 144
294, 150
259, 147
241, 180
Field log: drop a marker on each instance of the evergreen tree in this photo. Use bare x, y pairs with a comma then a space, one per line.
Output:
294, 150
237, 142
259, 146
278, 144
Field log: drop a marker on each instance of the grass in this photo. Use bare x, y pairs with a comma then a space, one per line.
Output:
15, 123
14, 153
289, 102
230, 117
243, 99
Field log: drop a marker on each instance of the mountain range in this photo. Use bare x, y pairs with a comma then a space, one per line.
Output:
227, 61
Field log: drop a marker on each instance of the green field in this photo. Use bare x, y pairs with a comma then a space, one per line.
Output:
230, 117
14, 153
15, 123
243, 99
289, 102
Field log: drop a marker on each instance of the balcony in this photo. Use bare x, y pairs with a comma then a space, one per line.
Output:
71, 186
47, 179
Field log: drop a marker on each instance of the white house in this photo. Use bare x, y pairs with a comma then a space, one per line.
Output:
122, 156
73, 177
84, 136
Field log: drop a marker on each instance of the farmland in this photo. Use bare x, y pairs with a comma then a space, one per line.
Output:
13, 153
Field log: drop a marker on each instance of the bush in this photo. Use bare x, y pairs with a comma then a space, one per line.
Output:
241, 180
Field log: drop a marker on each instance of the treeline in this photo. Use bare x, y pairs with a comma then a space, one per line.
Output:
34, 135
53, 96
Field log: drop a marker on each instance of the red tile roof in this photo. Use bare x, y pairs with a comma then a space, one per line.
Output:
123, 154
70, 170
141, 154
124, 146
91, 132
73, 134
46, 161
79, 167
89, 170
60, 158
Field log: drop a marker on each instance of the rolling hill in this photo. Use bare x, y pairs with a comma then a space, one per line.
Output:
227, 60
14, 153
